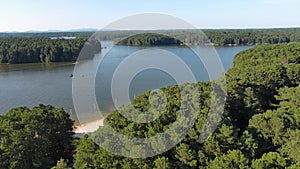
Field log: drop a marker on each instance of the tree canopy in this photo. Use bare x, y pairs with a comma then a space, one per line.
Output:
35, 138
149, 39
259, 128
39, 50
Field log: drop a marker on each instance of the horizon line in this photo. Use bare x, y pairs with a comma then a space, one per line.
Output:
87, 29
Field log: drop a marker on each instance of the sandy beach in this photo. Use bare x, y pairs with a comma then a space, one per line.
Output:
89, 126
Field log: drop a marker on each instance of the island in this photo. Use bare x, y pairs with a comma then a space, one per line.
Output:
149, 39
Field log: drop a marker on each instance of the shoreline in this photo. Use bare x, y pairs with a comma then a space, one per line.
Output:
88, 127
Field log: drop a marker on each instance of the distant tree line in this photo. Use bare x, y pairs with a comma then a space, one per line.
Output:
253, 37
53, 47
47, 34
219, 37
17, 50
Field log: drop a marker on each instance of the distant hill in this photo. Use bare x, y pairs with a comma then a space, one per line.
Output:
75, 30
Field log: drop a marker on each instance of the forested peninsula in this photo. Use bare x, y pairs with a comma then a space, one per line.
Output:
16, 50
149, 39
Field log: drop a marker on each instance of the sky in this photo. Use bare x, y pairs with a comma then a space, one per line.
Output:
24, 15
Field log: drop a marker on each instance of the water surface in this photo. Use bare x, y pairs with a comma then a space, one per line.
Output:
32, 84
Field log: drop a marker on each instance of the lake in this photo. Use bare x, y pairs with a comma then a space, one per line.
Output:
32, 84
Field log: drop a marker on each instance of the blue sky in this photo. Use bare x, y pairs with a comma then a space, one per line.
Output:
23, 15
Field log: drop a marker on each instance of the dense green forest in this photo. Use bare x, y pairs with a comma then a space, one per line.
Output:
39, 50
260, 127
149, 39
46, 34
52, 47
219, 37
253, 37
35, 138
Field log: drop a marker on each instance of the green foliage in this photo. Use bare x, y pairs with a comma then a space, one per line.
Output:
222, 140
256, 77
289, 101
105, 159
162, 163
291, 148
61, 164
248, 144
270, 126
85, 154
192, 37
294, 166
253, 37
217, 37
233, 159
186, 155
260, 127
149, 39
35, 138
279, 129
38, 50
270, 160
